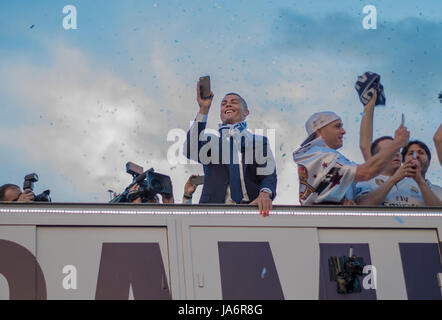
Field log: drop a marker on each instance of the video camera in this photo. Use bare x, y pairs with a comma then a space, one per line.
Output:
150, 184
30, 179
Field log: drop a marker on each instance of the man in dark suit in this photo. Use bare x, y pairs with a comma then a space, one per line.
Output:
239, 167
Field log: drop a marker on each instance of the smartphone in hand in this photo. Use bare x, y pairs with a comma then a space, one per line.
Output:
197, 180
205, 87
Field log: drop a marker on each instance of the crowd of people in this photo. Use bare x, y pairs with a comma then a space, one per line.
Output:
239, 167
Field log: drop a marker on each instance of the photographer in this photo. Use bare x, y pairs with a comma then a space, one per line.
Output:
12, 192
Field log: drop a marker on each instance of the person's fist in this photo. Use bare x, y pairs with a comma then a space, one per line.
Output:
26, 196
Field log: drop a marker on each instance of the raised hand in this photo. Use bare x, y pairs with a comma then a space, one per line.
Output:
189, 188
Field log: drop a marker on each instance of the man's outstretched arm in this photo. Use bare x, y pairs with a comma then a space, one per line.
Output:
374, 166
366, 130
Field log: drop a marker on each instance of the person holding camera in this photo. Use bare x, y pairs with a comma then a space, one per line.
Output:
189, 189
12, 192
167, 199
325, 175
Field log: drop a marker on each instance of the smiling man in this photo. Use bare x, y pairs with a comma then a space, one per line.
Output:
401, 186
325, 175
239, 167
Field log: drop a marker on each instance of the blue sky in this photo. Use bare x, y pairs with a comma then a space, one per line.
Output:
78, 104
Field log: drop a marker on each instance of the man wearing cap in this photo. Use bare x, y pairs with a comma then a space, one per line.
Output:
239, 167
325, 175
